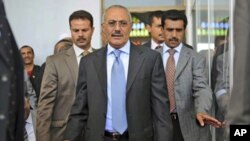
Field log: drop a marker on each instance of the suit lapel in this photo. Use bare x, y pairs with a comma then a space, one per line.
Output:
160, 50
71, 61
135, 62
183, 60
101, 67
147, 44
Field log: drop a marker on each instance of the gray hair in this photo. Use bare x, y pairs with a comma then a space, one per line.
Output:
116, 6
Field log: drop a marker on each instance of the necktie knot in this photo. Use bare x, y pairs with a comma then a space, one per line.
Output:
158, 47
85, 52
117, 53
171, 51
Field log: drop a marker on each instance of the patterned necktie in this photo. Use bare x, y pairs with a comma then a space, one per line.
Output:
118, 94
170, 73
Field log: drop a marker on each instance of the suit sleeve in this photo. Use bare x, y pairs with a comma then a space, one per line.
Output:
201, 91
46, 101
160, 103
221, 89
79, 111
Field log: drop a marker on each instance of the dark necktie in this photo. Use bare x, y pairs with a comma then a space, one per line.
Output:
157, 47
170, 73
118, 94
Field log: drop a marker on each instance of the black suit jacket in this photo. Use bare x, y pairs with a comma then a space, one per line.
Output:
147, 44
147, 102
11, 84
35, 80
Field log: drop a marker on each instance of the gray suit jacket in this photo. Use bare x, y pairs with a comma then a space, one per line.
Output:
57, 95
239, 105
147, 103
192, 94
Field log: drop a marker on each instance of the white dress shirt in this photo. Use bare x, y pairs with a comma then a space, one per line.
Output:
124, 56
154, 44
30, 129
79, 51
166, 54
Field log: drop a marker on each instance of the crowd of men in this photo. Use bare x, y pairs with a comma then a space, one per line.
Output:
157, 91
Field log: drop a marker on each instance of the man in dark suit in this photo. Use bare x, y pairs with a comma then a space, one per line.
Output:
189, 94
239, 105
141, 89
11, 84
154, 28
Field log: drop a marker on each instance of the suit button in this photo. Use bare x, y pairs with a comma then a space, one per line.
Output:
4, 78
2, 117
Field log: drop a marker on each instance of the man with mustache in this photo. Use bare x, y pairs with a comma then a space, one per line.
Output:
189, 94
59, 80
154, 28
121, 91
32, 70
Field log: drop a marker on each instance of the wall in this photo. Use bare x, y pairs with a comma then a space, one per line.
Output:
41, 23
143, 3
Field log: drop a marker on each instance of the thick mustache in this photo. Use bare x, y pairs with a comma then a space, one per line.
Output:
116, 34
80, 39
173, 39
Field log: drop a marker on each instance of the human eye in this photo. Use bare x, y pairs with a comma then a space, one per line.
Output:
75, 30
123, 23
111, 23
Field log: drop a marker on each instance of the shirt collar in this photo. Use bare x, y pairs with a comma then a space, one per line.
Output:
79, 51
178, 48
154, 44
124, 49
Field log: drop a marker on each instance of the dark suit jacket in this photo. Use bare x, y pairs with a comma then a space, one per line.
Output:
34, 79
239, 106
147, 103
11, 84
147, 44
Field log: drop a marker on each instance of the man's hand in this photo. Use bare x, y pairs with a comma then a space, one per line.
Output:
207, 119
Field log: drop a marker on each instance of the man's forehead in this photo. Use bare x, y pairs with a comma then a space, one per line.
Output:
174, 23
117, 14
26, 49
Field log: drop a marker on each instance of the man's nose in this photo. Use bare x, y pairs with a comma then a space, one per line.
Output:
80, 33
174, 33
117, 26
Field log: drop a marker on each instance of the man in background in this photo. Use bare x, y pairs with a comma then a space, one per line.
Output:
59, 80
32, 70
154, 28
11, 84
